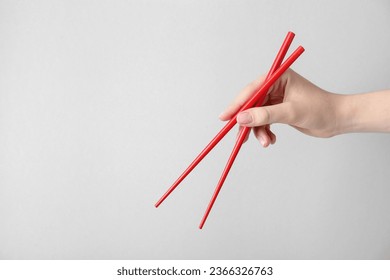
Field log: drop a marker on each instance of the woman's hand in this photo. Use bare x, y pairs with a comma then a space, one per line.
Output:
291, 100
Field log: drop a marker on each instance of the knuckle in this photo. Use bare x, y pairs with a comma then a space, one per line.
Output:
261, 116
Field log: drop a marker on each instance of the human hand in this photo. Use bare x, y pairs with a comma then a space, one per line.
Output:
291, 100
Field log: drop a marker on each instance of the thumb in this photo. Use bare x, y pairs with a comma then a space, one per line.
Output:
280, 113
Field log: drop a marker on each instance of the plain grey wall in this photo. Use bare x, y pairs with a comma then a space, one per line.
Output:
104, 103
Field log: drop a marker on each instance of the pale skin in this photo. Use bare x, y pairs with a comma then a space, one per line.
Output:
295, 101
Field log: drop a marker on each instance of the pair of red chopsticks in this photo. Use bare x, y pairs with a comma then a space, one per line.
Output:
277, 69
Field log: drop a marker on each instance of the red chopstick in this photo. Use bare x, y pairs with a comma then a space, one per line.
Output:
245, 130
250, 103
277, 69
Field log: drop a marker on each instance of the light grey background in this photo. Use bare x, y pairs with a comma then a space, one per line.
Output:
104, 103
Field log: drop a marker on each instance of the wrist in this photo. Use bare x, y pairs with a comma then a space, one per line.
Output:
344, 113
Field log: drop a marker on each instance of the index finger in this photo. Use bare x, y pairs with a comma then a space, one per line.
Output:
245, 94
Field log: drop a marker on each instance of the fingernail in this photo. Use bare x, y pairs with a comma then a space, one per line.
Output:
262, 141
244, 118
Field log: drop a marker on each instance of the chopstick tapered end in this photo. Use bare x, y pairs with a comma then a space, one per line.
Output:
158, 203
203, 221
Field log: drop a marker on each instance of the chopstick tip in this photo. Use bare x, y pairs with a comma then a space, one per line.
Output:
202, 222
